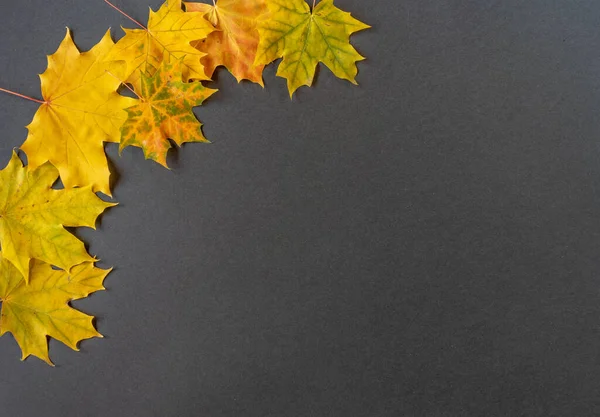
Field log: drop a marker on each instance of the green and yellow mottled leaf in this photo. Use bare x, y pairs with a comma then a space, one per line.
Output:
82, 110
33, 312
170, 32
32, 216
164, 111
235, 41
303, 38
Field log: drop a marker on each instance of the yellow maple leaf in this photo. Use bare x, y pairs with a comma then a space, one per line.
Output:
81, 111
170, 32
235, 41
303, 38
32, 216
164, 111
33, 312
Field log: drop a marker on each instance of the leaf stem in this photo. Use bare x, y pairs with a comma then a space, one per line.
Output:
125, 14
314, 3
22, 96
126, 86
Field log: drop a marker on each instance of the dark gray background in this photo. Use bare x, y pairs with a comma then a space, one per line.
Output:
424, 244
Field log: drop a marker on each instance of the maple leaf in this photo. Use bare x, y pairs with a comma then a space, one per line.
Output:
32, 216
235, 41
164, 111
81, 111
33, 312
170, 32
304, 38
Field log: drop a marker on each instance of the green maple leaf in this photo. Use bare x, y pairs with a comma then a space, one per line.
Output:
303, 38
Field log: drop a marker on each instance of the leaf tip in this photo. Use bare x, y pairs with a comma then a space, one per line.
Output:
49, 362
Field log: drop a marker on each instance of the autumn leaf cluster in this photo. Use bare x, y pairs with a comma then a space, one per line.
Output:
164, 63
